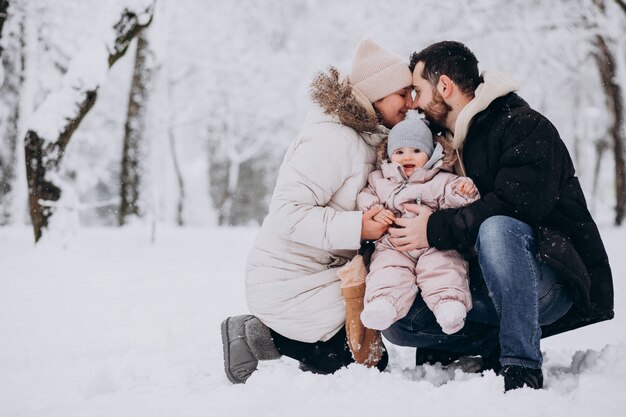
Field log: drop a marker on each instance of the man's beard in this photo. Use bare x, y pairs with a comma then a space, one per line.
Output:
437, 110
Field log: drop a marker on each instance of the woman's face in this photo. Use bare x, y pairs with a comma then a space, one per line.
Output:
393, 107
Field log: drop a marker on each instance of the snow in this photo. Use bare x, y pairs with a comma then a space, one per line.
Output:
107, 323
231, 74
87, 70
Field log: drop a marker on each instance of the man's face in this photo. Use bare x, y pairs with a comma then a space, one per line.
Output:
428, 100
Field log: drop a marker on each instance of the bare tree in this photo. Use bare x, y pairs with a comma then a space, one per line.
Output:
615, 105
239, 142
179, 176
134, 131
44, 150
172, 83
13, 65
606, 61
4, 7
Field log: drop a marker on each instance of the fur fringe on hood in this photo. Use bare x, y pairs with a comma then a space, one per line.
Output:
334, 95
449, 156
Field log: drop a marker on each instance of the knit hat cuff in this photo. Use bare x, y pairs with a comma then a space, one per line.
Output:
386, 82
410, 133
409, 143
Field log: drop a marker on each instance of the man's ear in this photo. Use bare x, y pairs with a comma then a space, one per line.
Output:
445, 86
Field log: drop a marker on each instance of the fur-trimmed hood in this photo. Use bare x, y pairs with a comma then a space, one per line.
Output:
334, 94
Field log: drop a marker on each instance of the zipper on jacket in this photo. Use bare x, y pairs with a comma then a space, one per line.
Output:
397, 191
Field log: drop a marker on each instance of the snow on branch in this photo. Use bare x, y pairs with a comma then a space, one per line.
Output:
58, 117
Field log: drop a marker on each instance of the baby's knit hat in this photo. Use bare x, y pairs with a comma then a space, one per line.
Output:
410, 133
376, 73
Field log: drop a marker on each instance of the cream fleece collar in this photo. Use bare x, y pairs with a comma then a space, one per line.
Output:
495, 84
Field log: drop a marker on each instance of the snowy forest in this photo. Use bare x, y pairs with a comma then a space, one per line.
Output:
140, 144
179, 112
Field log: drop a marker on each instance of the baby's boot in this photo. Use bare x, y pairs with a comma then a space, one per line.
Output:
450, 315
379, 314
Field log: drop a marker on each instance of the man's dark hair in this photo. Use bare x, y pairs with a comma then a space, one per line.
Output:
449, 58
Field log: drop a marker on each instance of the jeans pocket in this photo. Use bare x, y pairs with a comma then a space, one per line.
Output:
424, 325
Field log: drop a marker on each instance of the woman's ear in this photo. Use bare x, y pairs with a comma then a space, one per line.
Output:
445, 86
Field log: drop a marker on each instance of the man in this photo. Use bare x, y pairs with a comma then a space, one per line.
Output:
541, 267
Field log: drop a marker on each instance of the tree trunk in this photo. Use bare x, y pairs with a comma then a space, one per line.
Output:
615, 105
228, 202
44, 154
134, 140
601, 147
13, 62
4, 7
180, 207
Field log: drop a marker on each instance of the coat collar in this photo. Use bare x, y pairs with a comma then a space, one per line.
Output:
495, 84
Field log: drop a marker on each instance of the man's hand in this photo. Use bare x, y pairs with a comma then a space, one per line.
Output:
411, 233
370, 228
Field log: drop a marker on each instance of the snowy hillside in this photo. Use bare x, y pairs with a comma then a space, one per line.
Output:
111, 324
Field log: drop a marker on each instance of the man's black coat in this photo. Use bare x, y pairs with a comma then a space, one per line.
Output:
523, 170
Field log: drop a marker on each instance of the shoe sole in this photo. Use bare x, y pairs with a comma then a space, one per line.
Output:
225, 347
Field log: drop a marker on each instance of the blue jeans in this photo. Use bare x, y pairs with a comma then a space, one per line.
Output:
512, 292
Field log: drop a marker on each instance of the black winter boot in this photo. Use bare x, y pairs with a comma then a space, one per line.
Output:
491, 361
246, 341
519, 376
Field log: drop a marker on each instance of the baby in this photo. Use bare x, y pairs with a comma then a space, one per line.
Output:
416, 173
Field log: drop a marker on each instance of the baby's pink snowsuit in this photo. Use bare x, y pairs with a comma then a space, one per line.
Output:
439, 275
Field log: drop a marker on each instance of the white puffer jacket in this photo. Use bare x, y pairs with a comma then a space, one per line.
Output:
313, 226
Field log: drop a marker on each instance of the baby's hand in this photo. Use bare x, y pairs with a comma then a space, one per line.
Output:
467, 188
385, 217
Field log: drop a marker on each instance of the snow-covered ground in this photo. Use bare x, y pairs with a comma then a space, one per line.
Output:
108, 323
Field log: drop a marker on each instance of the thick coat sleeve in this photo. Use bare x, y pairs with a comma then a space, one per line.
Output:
312, 171
451, 197
527, 181
368, 197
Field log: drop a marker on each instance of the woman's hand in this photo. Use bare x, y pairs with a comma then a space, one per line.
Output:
385, 217
370, 228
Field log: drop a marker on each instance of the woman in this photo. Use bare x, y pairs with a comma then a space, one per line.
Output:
313, 226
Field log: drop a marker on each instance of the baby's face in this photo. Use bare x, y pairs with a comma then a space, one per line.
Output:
410, 159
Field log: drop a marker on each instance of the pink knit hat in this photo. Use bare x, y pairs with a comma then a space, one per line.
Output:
376, 73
